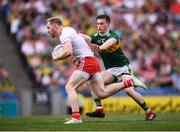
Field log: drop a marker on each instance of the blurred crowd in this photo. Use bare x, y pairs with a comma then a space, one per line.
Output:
6, 84
149, 31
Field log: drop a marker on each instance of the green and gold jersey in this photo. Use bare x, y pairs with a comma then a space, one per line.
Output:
114, 57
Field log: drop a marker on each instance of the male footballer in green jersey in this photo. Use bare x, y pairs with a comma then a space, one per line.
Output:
106, 42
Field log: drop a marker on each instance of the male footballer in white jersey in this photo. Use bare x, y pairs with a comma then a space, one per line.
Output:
87, 66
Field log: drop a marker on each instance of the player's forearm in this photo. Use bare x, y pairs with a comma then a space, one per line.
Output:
106, 45
103, 48
96, 48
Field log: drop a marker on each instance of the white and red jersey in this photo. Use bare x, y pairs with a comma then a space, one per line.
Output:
79, 45
86, 61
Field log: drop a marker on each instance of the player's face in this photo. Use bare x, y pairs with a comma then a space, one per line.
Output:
102, 26
52, 30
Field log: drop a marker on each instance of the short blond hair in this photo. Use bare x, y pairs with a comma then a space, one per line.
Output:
56, 20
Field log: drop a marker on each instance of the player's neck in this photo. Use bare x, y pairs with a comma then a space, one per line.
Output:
104, 34
59, 31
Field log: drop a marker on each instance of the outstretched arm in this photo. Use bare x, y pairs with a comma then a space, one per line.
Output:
106, 45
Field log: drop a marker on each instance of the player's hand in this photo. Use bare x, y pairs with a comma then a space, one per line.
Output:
94, 47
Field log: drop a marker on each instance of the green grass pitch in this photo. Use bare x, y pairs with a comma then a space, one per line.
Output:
112, 122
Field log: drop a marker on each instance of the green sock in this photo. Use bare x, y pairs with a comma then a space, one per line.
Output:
98, 103
144, 106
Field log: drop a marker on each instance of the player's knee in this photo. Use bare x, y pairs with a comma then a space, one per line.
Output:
69, 88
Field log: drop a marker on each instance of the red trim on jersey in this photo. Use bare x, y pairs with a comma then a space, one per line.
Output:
88, 64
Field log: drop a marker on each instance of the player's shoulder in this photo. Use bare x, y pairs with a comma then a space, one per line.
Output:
69, 29
94, 34
112, 32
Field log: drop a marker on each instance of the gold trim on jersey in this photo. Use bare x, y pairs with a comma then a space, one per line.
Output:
114, 47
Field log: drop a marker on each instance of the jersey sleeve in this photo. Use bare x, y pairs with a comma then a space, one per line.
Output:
67, 35
115, 36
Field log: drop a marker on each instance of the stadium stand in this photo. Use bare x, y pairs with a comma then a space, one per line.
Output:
149, 30
6, 84
8, 99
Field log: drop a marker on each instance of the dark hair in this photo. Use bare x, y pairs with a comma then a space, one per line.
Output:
106, 17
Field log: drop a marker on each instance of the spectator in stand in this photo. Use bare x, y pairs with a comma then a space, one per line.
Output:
145, 27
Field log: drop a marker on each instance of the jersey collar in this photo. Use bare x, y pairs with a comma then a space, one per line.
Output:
106, 34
